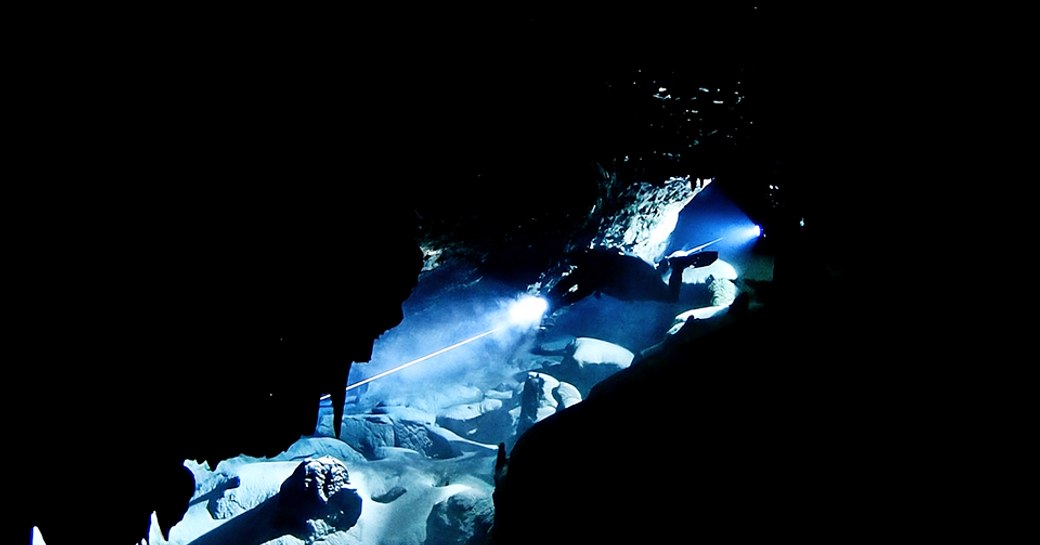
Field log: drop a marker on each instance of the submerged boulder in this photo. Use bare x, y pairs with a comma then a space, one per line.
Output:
463, 519
704, 275
589, 361
366, 433
318, 499
418, 436
314, 447
589, 353
723, 292
487, 422
566, 395
223, 502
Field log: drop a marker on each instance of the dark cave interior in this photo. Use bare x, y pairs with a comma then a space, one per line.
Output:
198, 208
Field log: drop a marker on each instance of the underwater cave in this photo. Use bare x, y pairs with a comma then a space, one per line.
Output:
539, 278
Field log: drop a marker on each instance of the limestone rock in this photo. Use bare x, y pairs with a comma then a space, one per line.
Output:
318, 499
555, 346
641, 216
703, 275
501, 392
366, 433
314, 447
591, 360
487, 422
723, 292
416, 436
590, 353
222, 502
566, 394
704, 313
410, 414
462, 519
460, 445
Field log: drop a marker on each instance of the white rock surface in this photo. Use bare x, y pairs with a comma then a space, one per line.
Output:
486, 422
155, 536
470, 411
567, 395
260, 480
500, 393
460, 445
314, 447
718, 269
255, 487
400, 522
590, 360
723, 292
703, 313
589, 352
410, 414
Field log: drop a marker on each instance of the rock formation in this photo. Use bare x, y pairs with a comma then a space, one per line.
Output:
318, 499
463, 519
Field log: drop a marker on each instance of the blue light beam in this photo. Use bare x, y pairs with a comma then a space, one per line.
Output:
416, 361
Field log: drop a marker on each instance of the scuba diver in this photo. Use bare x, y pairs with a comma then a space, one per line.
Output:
623, 276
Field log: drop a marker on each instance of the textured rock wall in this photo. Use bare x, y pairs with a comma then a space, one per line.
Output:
640, 217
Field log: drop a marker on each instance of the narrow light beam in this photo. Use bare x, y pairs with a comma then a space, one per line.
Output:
417, 360
684, 253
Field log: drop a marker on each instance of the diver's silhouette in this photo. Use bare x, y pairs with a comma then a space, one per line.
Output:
623, 276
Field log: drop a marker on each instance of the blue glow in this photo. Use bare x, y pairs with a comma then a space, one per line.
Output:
712, 216
753, 232
527, 310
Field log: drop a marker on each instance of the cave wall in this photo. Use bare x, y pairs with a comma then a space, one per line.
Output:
200, 251
214, 340
157, 167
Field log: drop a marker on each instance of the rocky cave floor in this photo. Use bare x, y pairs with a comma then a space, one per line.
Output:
419, 448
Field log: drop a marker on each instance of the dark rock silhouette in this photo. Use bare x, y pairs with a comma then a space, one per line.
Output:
626, 277
536, 401
501, 463
199, 338
782, 435
390, 495
611, 272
